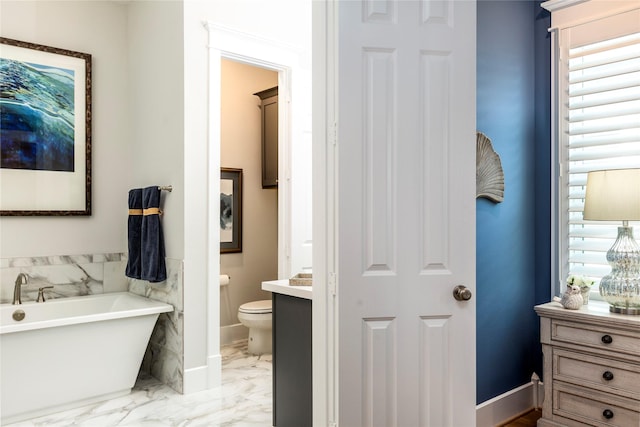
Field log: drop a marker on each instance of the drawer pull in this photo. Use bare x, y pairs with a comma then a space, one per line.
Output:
607, 339
607, 413
608, 375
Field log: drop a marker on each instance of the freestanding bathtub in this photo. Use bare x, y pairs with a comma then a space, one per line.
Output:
73, 351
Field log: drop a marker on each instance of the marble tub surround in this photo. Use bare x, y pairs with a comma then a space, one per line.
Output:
164, 356
168, 291
71, 275
244, 399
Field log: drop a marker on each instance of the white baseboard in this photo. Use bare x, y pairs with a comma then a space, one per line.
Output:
231, 333
207, 377
195, 380
508, 405
214, 369
204, 377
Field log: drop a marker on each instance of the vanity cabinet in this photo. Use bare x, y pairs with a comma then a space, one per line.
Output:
269, 119
292, 371
591, 366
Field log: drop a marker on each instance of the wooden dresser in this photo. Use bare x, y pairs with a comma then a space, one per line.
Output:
591, 366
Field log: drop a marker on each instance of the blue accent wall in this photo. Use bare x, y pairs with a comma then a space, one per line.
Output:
512, 57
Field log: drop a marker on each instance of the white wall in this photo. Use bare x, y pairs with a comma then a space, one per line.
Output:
241, 148
156, 101
98, 28
200, 338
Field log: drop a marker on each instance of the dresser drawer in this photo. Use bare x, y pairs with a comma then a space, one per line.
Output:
599, 373
618, 341
594, 408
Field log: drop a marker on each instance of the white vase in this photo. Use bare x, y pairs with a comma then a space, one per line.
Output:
584, 290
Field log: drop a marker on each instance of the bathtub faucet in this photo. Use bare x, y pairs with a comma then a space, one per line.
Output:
22, 279
41, 293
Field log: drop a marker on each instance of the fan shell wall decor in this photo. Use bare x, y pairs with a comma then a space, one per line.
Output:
489, 173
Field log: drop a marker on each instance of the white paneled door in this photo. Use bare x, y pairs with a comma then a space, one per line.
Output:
405, 141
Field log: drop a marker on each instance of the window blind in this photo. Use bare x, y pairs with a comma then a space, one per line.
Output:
602, 125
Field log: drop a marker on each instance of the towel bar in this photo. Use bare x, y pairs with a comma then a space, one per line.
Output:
168, 188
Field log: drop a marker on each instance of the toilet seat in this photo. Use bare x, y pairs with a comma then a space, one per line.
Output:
256, 307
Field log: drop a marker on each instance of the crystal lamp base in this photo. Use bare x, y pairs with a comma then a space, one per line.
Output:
621, 288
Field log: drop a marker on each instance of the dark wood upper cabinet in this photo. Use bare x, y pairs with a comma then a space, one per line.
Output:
269, 113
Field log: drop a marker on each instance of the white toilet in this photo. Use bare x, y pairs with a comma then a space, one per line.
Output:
256, 316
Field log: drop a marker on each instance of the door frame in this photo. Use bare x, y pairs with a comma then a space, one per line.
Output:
254, 50
325, 237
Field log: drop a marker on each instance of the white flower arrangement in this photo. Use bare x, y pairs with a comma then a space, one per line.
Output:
581, 281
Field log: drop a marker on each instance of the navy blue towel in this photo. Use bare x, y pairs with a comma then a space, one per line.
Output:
134, 228
152, 247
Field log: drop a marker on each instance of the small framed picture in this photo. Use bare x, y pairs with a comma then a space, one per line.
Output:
45, 130
230, 210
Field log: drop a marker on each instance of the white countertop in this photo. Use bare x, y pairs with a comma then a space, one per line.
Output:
283, 287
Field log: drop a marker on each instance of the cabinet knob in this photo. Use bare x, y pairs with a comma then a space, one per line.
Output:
607, 413
607, 339
608, 375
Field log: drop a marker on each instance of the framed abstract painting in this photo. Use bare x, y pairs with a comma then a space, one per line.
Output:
230, 210
45, 130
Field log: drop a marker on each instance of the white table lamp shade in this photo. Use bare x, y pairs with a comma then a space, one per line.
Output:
613, 195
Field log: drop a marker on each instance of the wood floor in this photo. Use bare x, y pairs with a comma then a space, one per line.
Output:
529, 419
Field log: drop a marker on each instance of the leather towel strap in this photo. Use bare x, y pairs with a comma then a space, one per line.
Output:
145, 212
152, 211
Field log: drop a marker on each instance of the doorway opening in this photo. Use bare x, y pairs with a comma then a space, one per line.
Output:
256, 259
248, 50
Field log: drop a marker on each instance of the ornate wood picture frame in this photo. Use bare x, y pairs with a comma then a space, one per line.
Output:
45, 128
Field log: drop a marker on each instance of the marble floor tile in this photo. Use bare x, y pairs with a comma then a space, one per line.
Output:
245, 399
